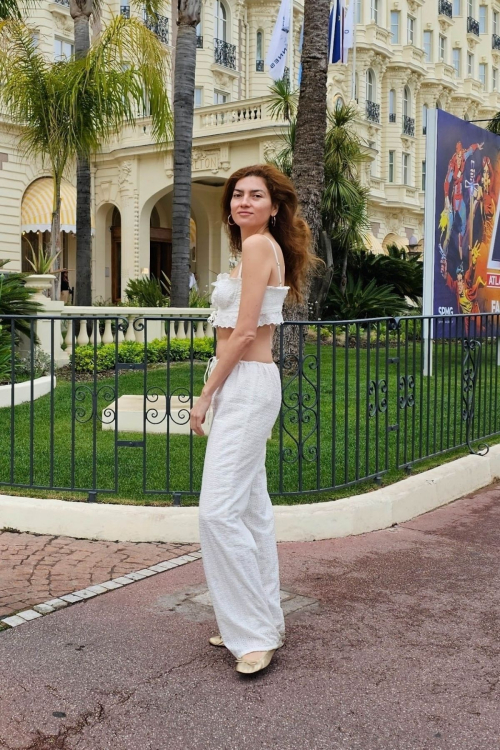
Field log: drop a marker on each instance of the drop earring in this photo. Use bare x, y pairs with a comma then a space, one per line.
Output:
273, 221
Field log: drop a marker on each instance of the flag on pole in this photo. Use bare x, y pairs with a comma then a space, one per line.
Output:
348, 30
301, 42
276, 54
336, 32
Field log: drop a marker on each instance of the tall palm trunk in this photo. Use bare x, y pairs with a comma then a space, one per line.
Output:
185, 65
55, 233
81, 11
308, 173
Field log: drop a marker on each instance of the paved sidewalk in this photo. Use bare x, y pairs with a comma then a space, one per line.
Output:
35, 568
395, 646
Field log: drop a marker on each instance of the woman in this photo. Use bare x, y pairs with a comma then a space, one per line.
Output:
236, 516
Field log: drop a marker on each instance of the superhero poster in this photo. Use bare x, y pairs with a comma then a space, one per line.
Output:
461, 220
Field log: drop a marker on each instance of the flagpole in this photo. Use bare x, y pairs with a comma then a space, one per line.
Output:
354, 26
290, 47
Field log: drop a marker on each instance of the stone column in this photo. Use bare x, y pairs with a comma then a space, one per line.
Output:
128, 185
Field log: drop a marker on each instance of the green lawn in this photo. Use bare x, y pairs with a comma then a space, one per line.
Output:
337, 394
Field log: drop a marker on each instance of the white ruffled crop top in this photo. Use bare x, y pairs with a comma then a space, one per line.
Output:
226, 300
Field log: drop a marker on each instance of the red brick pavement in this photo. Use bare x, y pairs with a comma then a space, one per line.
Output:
35, 568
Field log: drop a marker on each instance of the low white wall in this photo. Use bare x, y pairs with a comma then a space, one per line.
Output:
352, 515
22, 391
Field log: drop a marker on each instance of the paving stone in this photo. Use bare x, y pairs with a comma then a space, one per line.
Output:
122, 580
13, 621
71, 598
110, 585
56, 603
44, 609
135, 576
97, 588
29, 614
147, 572
85, 593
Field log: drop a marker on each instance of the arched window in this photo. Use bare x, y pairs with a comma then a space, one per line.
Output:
339, 102
425, 110
259, 51
370, 85
392, 105
220, 18
259, 45
406, 102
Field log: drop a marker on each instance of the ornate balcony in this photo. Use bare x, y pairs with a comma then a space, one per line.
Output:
445, 8
158, 25
63, 2
495, 41
392, 117
472, 26
259, 66
225, 54
199, 42
408, 125
372, 111
125, 11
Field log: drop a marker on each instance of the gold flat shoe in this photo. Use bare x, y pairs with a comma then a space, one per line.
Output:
250, 667
216, 640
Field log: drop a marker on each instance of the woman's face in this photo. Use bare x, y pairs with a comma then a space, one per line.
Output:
251, 204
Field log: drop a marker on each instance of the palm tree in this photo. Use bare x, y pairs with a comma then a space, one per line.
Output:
345, 200
81, 11
184, 76
71, 108
308, 172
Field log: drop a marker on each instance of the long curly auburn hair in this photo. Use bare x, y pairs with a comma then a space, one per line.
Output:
290, 230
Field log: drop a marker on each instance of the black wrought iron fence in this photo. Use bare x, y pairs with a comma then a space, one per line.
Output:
359, 399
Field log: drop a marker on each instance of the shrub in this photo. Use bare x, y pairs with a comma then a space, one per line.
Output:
132, 352
149, 292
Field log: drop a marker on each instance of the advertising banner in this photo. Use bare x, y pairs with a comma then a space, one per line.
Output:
462, 238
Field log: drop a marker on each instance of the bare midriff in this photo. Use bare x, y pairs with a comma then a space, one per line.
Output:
258, 351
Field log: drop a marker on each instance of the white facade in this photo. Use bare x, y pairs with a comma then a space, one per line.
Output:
404, 61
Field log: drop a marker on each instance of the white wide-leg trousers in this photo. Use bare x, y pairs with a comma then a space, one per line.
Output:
237, 533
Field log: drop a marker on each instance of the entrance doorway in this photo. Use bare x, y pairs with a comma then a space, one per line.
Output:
160, 253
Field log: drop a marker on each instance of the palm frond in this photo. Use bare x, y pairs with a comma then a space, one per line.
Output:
284, 100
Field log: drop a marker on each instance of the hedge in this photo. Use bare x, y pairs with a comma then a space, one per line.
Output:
133, 352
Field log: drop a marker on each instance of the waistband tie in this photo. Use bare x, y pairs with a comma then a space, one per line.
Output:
210, 366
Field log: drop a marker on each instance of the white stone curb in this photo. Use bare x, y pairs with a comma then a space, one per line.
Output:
22, 391
95, 590
359, 514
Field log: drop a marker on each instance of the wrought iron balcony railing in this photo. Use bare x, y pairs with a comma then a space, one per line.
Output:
408, 125
63, 2
225, 54
392, 117
259, 66
199, 42
445, 8
472, 26
372, 111
125, 11
495, 41
158, 25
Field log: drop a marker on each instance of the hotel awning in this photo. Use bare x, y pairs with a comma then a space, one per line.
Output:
373, 244
36, 209
395, 239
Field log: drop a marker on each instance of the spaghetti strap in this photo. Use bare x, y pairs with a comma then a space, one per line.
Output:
276, 256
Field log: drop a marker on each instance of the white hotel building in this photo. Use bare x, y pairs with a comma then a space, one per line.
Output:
410, 55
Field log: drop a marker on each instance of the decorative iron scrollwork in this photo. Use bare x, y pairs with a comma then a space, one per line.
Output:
471, 366
407, 385
84, 392
378, 401
300, 407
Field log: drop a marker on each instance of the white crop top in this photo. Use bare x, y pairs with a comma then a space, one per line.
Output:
226, 300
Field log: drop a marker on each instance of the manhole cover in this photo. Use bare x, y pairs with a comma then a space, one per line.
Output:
195, 604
